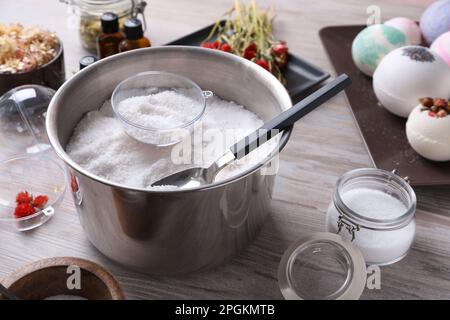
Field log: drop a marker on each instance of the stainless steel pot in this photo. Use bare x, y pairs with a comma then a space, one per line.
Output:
167, 232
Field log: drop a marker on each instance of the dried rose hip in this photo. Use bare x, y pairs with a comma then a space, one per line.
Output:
24, 197
225, 47
440, 103
23, 210
263, 63
426, 102
40, 201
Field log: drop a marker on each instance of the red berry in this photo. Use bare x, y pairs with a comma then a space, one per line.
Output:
280, 48
208, 45
40, 201
432, 114
23, 210
280, 51
251, 47
225, 47
248, 54
250, 51
263, 63
24, 197
215, 45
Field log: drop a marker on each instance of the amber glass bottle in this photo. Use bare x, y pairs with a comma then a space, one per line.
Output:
134, 36
108, 41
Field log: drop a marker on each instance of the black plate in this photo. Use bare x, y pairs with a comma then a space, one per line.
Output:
383, 132
301, 76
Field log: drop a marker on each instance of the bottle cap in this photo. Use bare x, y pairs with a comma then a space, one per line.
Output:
110, 22
133, 29
87, 60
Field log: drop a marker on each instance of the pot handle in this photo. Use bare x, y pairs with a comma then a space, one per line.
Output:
289, 117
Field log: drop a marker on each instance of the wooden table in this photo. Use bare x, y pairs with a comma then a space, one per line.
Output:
323, 146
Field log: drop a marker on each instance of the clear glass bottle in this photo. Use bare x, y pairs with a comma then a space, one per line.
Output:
87, 14
375, 209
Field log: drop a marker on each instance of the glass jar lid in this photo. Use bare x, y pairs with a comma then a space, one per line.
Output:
322, 266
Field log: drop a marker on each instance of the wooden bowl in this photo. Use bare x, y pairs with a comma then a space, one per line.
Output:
51, 74
50, 277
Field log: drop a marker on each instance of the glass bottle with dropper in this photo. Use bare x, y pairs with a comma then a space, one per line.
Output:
134, 36
108, 41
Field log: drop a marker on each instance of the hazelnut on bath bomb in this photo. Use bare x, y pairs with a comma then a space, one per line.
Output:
435, 20
409, 27
428, 129
373, 43
441, 46
407, 74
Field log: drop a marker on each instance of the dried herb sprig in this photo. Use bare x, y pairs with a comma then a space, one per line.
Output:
247, 32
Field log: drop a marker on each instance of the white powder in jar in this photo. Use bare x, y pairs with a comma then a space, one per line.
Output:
100, 145
377, 246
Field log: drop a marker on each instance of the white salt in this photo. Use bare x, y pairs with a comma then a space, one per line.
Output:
374, 204
100, 145
377, 246
162, 110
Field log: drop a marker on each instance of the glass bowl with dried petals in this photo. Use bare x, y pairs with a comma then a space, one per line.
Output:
30, 55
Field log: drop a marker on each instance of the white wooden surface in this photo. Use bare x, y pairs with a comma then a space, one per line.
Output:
323, 146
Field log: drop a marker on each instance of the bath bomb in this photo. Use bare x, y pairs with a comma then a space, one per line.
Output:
428, 133
441, 46
407, 74
373, 43
409, 28
435, 20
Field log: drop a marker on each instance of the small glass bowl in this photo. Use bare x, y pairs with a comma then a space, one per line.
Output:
152, 82
38, 175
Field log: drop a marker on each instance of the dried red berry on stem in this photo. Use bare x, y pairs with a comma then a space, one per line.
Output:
23, 210
24, 197
263, 63
250, 51
225, 47
40, 201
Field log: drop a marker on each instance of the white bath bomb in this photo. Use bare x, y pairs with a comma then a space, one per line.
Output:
409, 27
373, 43
407, 74
429, 134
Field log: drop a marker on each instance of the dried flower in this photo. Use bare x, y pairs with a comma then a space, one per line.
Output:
23, 49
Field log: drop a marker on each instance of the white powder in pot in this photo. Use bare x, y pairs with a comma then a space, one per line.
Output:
162, 110
100, 145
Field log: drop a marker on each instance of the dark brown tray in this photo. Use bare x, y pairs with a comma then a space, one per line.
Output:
301, 76
384, 133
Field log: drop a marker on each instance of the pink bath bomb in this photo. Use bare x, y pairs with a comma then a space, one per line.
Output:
441, 46
409, 28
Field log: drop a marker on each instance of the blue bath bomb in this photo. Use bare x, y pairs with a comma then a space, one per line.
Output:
435, 20
373, 43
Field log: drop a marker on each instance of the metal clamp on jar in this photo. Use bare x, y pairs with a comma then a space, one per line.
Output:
370, 221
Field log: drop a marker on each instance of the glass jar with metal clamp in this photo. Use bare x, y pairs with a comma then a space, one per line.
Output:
86, 14
370, 221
